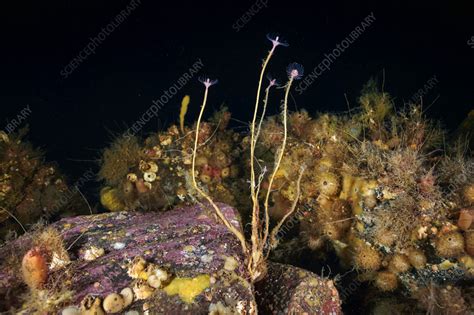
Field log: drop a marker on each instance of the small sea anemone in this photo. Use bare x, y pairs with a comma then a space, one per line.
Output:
399, 263
469, 240
450, 244
367, 258
332, 231
386, 281
328, 183
417, 258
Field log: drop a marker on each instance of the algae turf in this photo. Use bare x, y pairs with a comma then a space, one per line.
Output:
30, 188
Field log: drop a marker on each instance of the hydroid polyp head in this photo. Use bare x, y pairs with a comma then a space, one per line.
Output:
277, 40
207, 81
295, 71
272, 81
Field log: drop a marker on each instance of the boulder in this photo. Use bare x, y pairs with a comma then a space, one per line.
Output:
182, 261
290, 290
205, 261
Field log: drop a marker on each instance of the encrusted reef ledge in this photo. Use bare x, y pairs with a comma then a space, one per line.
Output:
291, 290
183, 261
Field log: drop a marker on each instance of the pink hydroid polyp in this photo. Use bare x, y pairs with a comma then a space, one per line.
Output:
295, 71
277, 41
207, 82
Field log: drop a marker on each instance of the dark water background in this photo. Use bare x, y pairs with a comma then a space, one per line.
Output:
74, 118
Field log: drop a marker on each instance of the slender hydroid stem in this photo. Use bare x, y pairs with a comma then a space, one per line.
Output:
278, 160
276, 229
253, 191
219, 213
265, 102
14, 218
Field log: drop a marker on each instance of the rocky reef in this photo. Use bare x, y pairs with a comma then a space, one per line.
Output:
380, 192
381, 189
292, 290
203, 217
30, 188
180, 261
155, 173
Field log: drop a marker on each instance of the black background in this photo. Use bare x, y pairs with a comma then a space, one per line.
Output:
73, 119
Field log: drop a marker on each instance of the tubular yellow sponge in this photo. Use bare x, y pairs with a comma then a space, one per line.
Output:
184, 109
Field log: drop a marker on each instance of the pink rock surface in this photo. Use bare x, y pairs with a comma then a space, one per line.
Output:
187, 241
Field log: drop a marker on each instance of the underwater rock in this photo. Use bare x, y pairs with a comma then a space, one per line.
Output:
291, 290
181, 261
